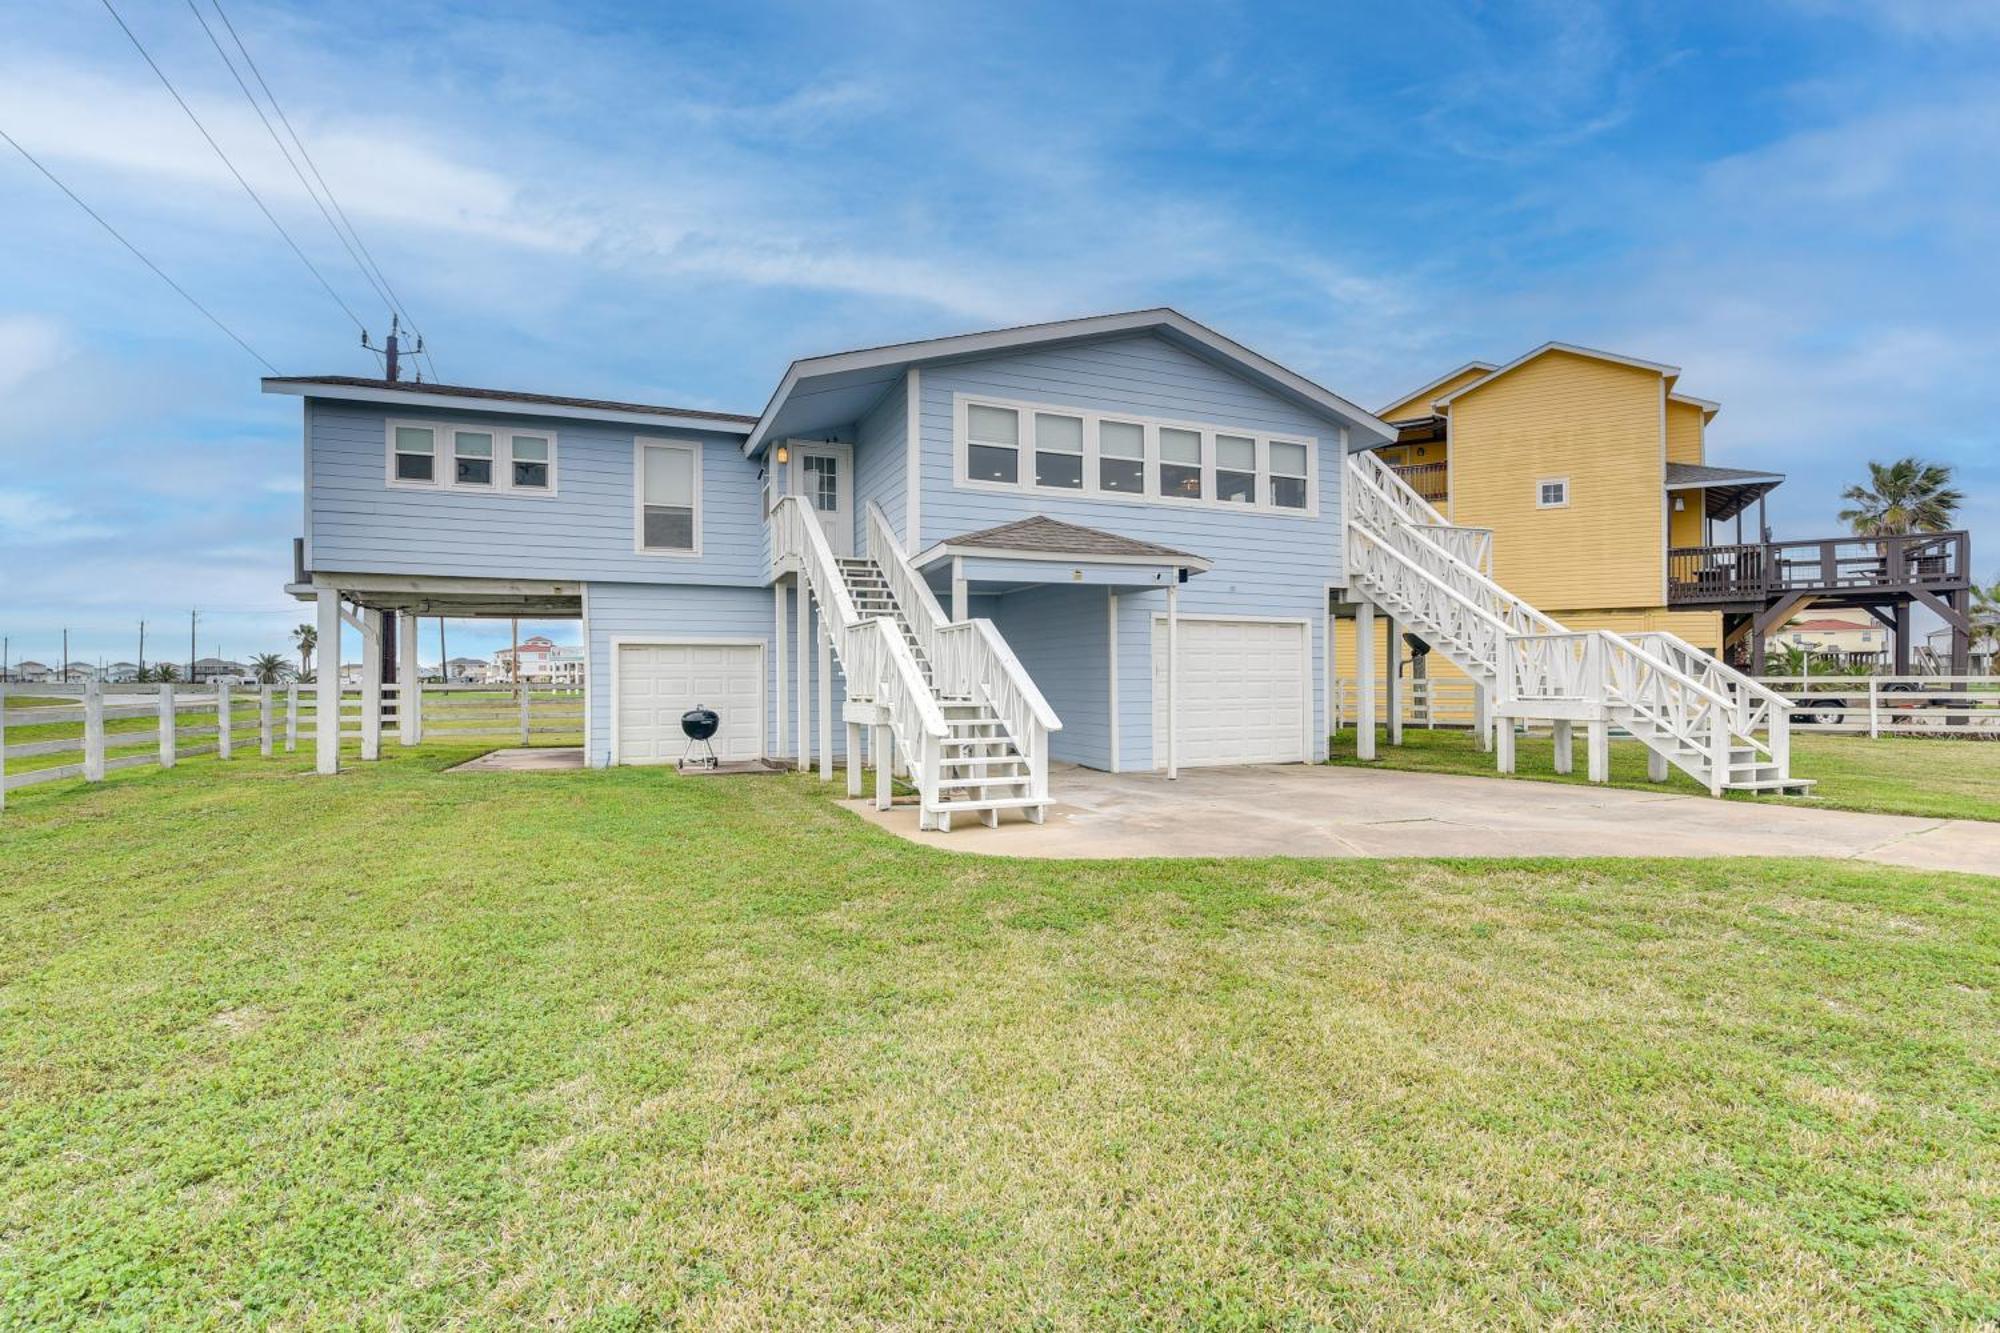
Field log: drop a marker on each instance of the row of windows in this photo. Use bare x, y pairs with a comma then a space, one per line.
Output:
1029, 447
482, 458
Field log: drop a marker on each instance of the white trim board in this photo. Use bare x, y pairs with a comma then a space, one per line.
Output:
416, 397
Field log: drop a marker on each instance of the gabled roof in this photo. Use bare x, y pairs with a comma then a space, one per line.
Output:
411, 393
818, 393
1681, 476
1590, 353
1039, 537
1708, 407
1423, 389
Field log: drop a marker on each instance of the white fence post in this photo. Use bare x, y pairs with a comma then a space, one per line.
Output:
3, 745
291, 717
1874, 711
264, 720
93, 731
169, 721
222, 709
521, 689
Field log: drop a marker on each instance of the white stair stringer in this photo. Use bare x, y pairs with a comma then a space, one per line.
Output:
972, 729
1687, 707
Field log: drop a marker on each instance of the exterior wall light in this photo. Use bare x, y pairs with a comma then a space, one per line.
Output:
784, 455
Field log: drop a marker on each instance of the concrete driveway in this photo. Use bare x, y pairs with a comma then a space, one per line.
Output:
1300, 810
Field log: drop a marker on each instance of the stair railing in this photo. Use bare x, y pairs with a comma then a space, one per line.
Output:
978, 664
912, 593
1472, 545
872, 654
1469, 634
1757, 707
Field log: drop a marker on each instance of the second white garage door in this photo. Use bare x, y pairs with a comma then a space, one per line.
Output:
657, 682
1244, 696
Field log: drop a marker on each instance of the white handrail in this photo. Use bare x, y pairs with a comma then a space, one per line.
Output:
912, 593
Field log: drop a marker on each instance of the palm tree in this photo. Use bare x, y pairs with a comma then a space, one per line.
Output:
1986, 615
1908, 495
269, 668
166, 673
306, 638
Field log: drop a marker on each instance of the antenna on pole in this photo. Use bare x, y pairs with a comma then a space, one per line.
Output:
392, 352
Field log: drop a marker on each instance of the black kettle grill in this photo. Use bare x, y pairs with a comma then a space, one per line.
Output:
700, 725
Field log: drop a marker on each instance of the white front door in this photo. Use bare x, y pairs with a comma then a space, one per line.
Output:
824, 475
1243, 692
657, 682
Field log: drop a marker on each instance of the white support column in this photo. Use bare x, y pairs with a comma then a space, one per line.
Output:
1482, 715
1364, 680
959, 599
783, 745
371, 684
1394, 665
169, 724
803, 624
1173, 679
880, 751
854, 730
1565, 746
326, 711
1329, 721
1656, 766
224, 741
1597, 737
93, 731
3, 745
825, 701
264, 740
409, 680
1503, 745
291, 717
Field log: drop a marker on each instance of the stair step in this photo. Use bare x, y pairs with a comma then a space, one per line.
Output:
997, 803
979, 761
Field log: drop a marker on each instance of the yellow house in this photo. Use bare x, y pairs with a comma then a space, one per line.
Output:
1588, 467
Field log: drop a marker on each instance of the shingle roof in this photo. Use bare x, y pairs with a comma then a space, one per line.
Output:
503, 395
1048, 536
1698, 474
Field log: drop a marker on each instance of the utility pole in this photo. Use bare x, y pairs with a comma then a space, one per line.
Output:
392, 353
142, 649
444, 669
194, 616
65, 665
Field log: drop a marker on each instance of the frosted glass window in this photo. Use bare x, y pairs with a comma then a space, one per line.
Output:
993, 444
669, 499
1288, 475
472, 457
416, 450
531, 461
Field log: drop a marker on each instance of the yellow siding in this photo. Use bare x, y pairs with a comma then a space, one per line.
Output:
1703, 629
1420, 405
1596, 423
1684, 426
1685, 528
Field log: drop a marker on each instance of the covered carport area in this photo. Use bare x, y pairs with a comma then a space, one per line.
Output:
386, 610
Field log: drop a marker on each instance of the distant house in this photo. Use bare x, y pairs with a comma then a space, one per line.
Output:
1847, 638
220, 670
78, 673
543, 662
31, 673
467, 671
120, 673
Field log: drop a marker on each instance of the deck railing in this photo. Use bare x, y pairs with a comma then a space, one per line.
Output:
1430, 480
1752, 571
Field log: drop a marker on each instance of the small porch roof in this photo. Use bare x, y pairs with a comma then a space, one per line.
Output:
1039, 550
1726, 491
457, 598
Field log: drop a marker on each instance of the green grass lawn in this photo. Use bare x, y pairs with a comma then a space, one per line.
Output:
611, 1049
1946, 779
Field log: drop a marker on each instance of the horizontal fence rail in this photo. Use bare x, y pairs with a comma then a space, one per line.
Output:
1893, 705
106, 728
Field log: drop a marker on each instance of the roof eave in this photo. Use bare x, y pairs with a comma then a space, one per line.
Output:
416, 397
1665, 371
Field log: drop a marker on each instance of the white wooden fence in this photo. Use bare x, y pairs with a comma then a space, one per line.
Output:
221, 719
1857, 705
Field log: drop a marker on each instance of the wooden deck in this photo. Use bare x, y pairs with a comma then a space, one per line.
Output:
1757, 572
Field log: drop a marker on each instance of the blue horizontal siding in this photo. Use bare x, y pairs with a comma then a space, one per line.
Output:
881, 464
357, 523
1063, 637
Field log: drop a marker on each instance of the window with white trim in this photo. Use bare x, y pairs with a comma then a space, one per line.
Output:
528, 458
472, 458
444, 455
1044, 448
1289, 462
1180, 463
1121, 457
1236, 469
1058, 451
668, 496
993, 444
414, 459
1552, 493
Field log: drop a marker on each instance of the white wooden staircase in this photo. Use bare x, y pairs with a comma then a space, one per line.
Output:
968, 721
1689, 709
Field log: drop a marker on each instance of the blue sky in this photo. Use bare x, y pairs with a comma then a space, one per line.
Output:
1794, 201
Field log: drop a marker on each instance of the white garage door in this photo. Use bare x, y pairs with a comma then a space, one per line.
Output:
657, 682
1243, 692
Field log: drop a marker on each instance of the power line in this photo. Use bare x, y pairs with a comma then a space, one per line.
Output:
395, 301
254, 196
117, 236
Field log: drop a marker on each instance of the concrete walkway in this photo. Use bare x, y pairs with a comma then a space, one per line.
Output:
1299, 810
547, 759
